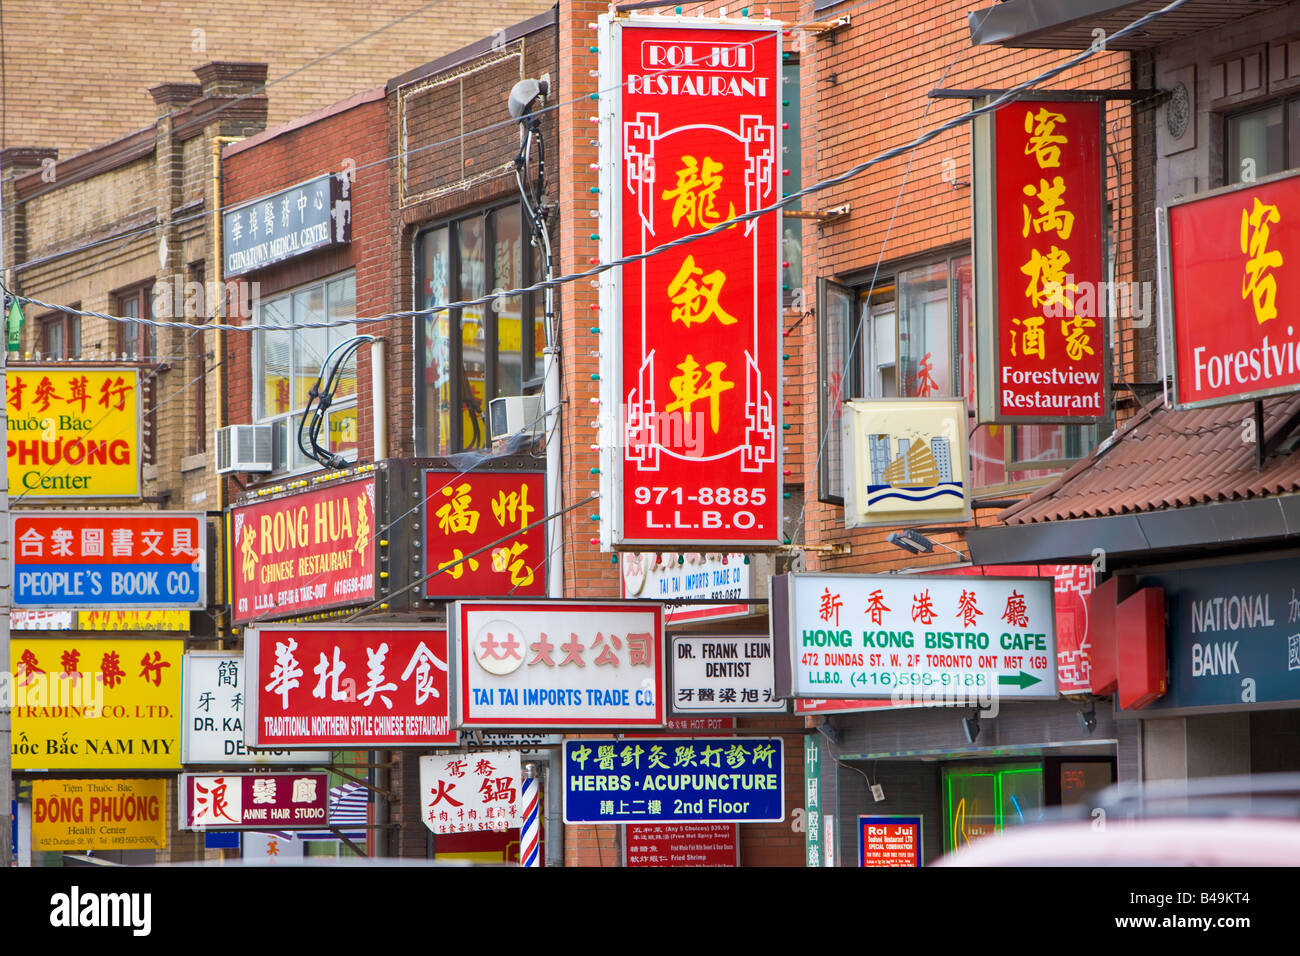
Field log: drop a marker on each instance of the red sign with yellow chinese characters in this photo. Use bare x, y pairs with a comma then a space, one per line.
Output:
307, 551
1227, 260
691, 350
466, 511
331, 687
1048, 335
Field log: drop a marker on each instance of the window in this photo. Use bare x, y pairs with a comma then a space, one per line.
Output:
1262, 141
468, 356
60, 335
792, 161
136, 342
287, 362
911, 334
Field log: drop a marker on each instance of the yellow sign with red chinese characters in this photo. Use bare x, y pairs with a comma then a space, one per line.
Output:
101, 814
95, 703
74, 432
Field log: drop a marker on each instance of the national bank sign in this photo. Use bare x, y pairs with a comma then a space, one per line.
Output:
313, 215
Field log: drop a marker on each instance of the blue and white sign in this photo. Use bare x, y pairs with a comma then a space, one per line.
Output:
1233, 636
674, 780
310, 216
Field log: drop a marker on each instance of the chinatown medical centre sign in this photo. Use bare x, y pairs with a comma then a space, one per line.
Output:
559, 664
915, 639
690, 356
109, 559
303, 552
73, 432
314, 215
1226, 259
346, 687
1039, 253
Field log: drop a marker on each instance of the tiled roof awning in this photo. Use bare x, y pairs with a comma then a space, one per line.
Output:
1167, 480
1069, 24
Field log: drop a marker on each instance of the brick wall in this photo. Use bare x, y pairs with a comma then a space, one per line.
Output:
96, 60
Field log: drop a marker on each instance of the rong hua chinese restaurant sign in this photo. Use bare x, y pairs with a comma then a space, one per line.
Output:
559, 664
1039, 254
346, 687
1227, 258
74, 432
913, 638
303, 552
690, 355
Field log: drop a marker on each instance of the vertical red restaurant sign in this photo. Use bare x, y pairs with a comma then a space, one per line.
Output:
1225, 262
1042, 295
690, 137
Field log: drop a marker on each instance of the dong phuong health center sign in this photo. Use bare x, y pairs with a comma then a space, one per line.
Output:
690, 350
73, 432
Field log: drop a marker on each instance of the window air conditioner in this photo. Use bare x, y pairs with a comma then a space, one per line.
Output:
243, 448
512, 414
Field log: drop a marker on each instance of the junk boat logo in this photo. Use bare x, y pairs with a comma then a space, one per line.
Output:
77, 909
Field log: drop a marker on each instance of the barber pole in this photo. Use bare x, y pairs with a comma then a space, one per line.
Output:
528, 842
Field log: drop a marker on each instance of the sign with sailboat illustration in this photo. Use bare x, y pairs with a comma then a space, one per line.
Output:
905, 461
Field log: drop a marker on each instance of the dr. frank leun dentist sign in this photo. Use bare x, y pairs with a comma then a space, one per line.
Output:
313, 215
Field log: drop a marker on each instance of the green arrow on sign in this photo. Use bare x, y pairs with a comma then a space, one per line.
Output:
14, 324
1021, 680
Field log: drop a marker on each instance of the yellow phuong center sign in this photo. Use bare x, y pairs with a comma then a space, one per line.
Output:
74, 432
99, 814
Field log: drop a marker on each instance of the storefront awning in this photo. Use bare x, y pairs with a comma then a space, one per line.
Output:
1171, 483
1069, 24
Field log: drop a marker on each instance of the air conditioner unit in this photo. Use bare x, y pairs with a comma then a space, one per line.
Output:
243, 448
512, 414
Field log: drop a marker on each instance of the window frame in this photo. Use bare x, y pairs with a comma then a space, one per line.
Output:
532, 364
1230, 176
69, 326
257, 366
141, 296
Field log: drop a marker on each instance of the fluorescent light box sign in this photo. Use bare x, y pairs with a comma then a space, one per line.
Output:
1226, 260
690, 137
1039, 252
905, 460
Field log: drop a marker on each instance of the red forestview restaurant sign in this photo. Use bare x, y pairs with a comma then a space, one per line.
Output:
690, 355
1227, 262
467, 511
303, 552
1041, 240
335, 687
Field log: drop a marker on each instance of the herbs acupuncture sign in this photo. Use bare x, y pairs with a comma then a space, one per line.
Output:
690, 352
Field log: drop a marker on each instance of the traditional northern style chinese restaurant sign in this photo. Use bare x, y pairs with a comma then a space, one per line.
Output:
1226, 259
464, 512
690, 353
310, 550
109, 559
96, 703
560, 664
254, 801
915, 639
1040, 262
346, 687
73, 432
470, 792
